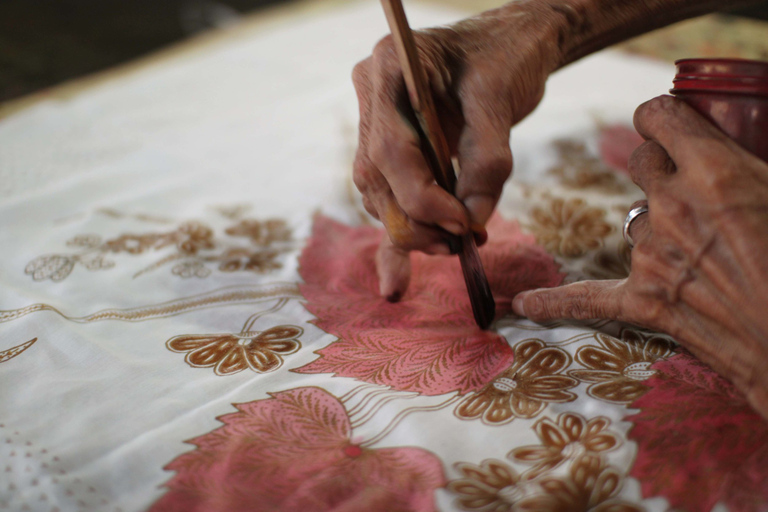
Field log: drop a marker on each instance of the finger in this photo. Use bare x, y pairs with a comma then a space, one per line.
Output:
393, 266
404, 232
676, 127
640, 227
370, 208
579, 301
396, 151
649, 165
484, 155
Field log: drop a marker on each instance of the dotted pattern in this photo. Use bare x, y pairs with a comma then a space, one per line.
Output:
34, 480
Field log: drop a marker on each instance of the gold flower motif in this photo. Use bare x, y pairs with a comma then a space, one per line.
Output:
492, 486
189, 269
192, 237
262, 232
577, 169
567, 438
591, 486
232, 353
245, 259
569, 228
525, 389
133, 244
617, 367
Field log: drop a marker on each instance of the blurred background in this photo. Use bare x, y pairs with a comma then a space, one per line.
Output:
46, 42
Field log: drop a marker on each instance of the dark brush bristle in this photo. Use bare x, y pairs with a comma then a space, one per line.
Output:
480, 296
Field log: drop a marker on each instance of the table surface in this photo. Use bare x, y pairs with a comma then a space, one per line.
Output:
707, 36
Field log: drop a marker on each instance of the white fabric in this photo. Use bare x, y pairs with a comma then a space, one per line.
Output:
267, 120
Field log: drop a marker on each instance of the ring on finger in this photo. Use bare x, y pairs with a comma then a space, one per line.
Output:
633, 214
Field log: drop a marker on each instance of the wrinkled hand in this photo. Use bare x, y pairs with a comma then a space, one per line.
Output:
483, 81
700, 262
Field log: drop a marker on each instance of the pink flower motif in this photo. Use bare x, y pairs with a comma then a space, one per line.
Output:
696, 432
294, 452
428, 342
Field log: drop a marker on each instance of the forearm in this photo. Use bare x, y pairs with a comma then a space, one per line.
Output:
579, 27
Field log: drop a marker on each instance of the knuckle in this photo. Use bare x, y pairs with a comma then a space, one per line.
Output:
655, 110
363, 176
651, 311
384, 54
413, 204
497, 165
387, 148
360, 73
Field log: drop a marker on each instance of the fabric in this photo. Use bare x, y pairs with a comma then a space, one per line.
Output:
190, 321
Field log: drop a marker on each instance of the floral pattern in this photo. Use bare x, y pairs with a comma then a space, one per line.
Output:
570, 436
578, 169
228, 354
295, 451
617, 368
568, 227
262, 232
428, 342
591, 486
695, 431
525, 388
492, 486
194, 244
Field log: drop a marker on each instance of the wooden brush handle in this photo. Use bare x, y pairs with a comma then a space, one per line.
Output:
438, 155
420, 95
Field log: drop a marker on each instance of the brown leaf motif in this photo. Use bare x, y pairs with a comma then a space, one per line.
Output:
525, 388
616, 368
591, 486
569, 228
569, 437
227, 354
492, 486
12, 352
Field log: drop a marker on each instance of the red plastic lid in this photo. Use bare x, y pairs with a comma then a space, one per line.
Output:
734, 76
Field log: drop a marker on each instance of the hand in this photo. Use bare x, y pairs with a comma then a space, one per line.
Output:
700, 261
484, 80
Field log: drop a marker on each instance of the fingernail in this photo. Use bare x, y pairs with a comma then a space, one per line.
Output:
454, 245
517, 303
452, 227
480, 208
438, 250
394, 297
480, 233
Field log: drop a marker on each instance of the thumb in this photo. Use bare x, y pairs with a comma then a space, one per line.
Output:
579, 301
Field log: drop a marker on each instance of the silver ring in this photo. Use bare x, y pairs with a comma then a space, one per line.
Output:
631, 216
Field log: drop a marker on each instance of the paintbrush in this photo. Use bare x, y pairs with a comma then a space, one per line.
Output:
438, 156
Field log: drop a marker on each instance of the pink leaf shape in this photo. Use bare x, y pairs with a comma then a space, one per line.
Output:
699, 441
428, 342
293, 452
616, 143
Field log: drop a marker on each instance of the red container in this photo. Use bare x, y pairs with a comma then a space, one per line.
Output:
732, 93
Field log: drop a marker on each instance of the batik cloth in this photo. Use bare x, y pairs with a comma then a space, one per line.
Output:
190, 318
